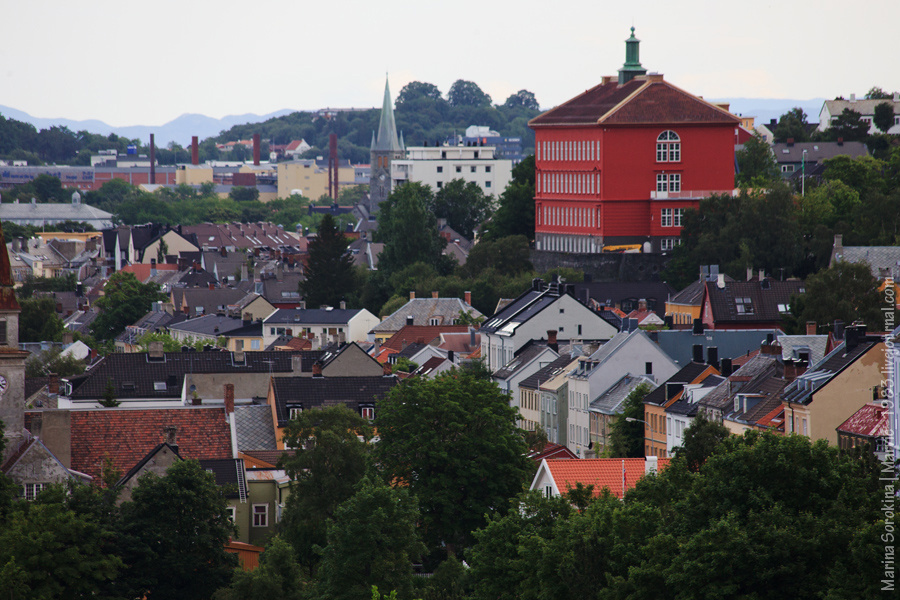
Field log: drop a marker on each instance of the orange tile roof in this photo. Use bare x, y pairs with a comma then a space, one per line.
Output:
427, 333
600, 472
142, 271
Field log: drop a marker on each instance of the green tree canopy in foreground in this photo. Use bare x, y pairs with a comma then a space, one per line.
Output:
124, 301
329, 270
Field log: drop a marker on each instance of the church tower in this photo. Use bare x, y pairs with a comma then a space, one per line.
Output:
12, 360
385, 148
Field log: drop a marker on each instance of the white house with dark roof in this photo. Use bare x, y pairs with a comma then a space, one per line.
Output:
832, 109
321, 325
423, 311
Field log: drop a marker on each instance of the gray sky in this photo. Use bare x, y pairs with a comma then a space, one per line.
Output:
146, 63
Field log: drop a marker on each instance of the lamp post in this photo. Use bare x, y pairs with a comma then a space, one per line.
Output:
652, 431
803, 176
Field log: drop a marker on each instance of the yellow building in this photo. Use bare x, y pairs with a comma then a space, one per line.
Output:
308, 179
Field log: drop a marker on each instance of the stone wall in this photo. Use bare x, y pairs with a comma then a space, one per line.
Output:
604, 267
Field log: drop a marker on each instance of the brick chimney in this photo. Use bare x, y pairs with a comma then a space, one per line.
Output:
171, 433
386, 369
317, 369
434, 295
53, 384
810, 328
412, 295
468, 298
156, 350
195, 150
551, 340
229, 398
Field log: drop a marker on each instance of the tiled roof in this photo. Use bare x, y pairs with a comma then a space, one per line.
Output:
421, 334
552, 451
546, 373
616, 474
803, 387
872, 420
637, 101
254, 428
610, 401
422, 310
127, 435
314, 392
690, 373
229, 473
762, 301
311, 316
209, 299
136, 375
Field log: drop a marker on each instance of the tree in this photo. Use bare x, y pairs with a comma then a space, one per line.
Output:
278, 576
371, 542
515, 215
506, 255
452, 440
174, 532
845, 291
463, 205
408, 229
109, 395
876, 93
328, 462
522, 99
415, 90
792, 125
52, 360
467, 93
626, 438
701, 439
244, 194
39, 322
849, 126
884, 116
329, 271
124, 301
756, 163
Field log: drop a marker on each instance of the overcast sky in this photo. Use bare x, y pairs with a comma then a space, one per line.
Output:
146, 63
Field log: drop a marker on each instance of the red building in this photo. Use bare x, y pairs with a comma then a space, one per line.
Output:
618, 164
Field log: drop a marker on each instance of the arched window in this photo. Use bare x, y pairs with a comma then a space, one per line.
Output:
668, 147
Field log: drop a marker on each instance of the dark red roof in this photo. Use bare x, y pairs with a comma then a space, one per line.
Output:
127, 435
644, 99
425, 334
872, 420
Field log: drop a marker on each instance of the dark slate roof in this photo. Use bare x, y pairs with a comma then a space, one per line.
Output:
614, 292
212, 325
315, 392
764, 300
683, 406
521, 359
803, 387
546, 373
644, 99
731, 343
411, 350
816, 151
687, 374
134, 375
229, 473
610, 401
314, 316
254, 428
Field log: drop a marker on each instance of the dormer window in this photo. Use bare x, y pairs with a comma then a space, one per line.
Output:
668, 147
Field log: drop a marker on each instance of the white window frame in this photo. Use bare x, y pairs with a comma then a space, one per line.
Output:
665, 217
675, 182
668, 147
295, 412
662, 182
232, 513
260, 518
677, 217
667, 244
30, 491
367, 412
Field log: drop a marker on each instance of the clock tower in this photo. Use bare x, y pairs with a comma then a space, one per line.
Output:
385, 148
12, 360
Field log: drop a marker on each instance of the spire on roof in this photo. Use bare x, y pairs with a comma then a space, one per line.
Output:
387, 128
632, 66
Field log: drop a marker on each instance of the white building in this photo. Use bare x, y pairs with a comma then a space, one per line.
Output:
438, 165
832, 109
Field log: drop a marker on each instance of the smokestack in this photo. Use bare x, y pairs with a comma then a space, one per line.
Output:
332, 166
712, 356
152, 159
195, 150
256, 149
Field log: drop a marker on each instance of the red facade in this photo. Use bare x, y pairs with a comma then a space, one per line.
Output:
618, 164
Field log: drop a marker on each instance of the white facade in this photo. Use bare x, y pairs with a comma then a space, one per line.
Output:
676, 424
510, 385
354, 330
438, 165
832, 109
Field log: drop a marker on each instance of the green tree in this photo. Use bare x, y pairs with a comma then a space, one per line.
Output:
756, 163
329, 271
174, 532
849, 126
415, 90
124, 301
408, 229
884, 116
278, 576
506, 256
515, 215
52, 360
33, 284
244, 194
453, 441
846, 291
39, 322
701, 439
329, 460
467, 93
463, 205
876, 93
371, 542
522, 99
626, 438
792, 125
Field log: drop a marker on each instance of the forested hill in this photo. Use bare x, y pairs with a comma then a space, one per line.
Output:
423, 115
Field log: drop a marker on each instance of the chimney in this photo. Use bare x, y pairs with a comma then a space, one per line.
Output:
726, 369
152, 159
450, 355
409, 320
852, 97
403, 344
152, 267
412, 295
852, 336
53, 384
434, 295
551, 340
156, 350
642, 305
749, 273
229, 398
720, 281
171, 433
195, 150
256, 149
762, 274
698, 327
245, 276
68, 338
212, 286
697, 355
386, 369
317, 369
810, 328
712, 356
468, 298
343, 305
651, 465
838, 242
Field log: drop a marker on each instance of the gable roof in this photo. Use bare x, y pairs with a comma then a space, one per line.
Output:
763, 301
644, 99
316, 392
424, 334
312, 316
690, 373
801, 390
872, 420
522, 359
610, 402
422, 310
618, 475
547, 373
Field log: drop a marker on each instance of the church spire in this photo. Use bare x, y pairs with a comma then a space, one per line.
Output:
387, 128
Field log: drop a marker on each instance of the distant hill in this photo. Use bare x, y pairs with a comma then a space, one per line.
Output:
179, 130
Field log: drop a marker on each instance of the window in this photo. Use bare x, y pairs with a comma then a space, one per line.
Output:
677, 215
548, 491
458, 168
239, 344
487, 168
3, 332
434, 321
743, 306
675, 182
668, 182
665, 219
440, 169
254, 344
648, 368
440, 184
260, 515
230, 511
668, 147
667, 244
487, 184
367, 412
472, 169
787, 168
662, 182
579, 329
295, 412
31, 490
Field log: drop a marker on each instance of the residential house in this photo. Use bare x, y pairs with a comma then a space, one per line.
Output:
526, 363
717, 344
883, 261
155, 321
832, 109
681, 411
608, 406
530, 395
541, 309
555, 406
431, 312
615, 475
208, 300
209, 328
683, 307
624, 295
803, 157
868, 427
760, 303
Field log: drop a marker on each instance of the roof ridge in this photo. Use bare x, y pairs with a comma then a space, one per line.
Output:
624, 101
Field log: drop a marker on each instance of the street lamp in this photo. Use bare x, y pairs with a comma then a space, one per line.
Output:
803, 177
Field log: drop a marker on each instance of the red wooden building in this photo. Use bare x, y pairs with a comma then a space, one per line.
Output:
618, 164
